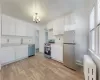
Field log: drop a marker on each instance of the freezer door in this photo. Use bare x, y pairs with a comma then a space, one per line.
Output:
69, 36
69, 56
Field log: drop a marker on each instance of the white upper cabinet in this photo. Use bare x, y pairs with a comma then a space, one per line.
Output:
30, 30
70, 19
20, 28
24, 29
50, 25
15, 27
70, 22
8, 25
55, 30
58, 26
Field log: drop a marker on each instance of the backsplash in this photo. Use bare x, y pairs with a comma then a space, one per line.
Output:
59, 39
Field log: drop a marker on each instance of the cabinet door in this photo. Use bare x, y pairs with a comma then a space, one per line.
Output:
20, 28
60, 53
8, 25
55, 29
21, 52
50, 25
7, 55
57, 52
58, 26
53, 52
61, 26
29, 30
68, 20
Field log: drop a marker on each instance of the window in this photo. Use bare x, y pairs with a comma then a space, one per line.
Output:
92, 30
92, 20
98, 11
93, 40
94, 33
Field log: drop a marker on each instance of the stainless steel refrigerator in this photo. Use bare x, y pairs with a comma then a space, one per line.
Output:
69, 50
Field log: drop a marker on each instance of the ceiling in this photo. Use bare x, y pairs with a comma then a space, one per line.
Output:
47, 9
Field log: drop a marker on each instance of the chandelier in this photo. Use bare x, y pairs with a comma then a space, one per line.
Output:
36, 17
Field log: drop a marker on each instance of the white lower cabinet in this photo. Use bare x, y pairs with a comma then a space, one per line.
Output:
21, 52
7, 55
57, 52
12, 54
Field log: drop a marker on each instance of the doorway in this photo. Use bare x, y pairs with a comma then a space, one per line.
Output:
37, 41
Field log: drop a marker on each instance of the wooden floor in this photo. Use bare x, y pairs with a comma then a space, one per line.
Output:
38, 68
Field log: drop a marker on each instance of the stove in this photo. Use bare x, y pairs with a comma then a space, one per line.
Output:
47, 50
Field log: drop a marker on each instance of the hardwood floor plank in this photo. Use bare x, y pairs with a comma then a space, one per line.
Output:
38, 68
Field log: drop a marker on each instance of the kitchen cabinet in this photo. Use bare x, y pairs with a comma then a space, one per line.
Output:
24, 29
11, 26
58, 26
50, 25
20, 28
12, 54
57, 52
29, 30
8, 25
70, 19
7, 55
21, 52
50, 35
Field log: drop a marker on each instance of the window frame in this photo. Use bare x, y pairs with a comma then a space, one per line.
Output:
97, 20
91, 29
96, 29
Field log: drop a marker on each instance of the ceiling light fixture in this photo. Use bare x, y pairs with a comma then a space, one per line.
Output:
36, 17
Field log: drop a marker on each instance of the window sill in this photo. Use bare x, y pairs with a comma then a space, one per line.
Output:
97, 56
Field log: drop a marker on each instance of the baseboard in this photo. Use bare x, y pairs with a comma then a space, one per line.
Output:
20, 59
13, 61
57, 60
79, 63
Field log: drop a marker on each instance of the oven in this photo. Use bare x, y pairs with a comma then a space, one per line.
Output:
47, 50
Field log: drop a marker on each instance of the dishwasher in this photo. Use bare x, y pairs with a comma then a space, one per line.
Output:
31, 50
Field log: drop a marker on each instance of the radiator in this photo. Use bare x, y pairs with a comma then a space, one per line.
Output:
89, 68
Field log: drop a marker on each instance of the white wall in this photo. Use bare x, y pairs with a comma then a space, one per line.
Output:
81, 34
41, 39
0, 26
79, 22
0, 32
